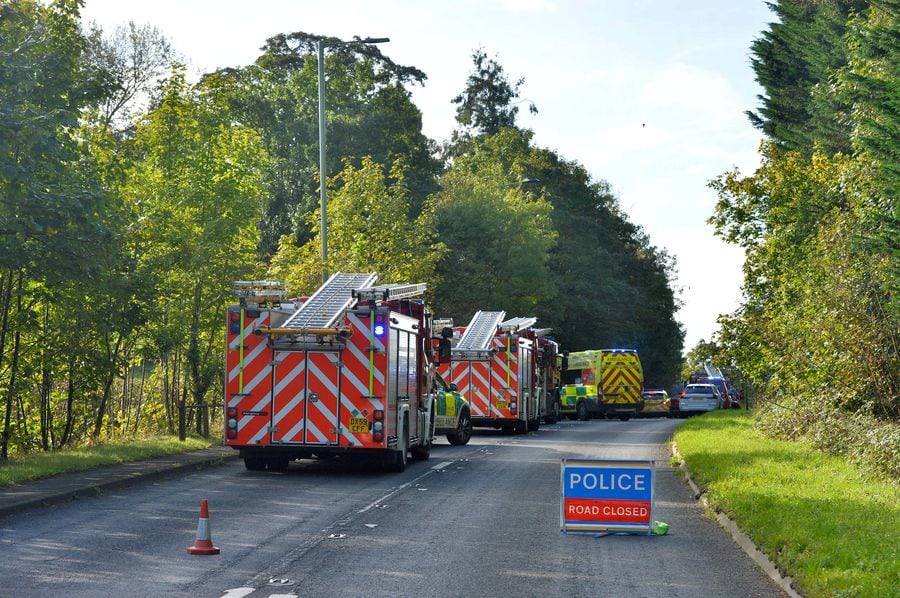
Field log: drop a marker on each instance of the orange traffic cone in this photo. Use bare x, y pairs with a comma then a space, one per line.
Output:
203, 544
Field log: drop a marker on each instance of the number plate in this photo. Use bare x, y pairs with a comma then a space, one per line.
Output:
501, 404
359, 425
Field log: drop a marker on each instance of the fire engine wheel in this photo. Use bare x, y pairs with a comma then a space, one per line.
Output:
277, 463
521, 427
463, 430
255, 463
399, 460
625, 417
534, 425
421, 453
583, 414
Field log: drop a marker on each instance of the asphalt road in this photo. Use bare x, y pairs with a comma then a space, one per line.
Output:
479, 520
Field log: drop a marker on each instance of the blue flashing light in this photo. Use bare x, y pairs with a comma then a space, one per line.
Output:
379, 329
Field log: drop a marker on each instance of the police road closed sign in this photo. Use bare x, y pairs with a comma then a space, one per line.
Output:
607, 496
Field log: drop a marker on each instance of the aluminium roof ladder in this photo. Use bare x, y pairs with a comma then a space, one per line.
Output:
327, 304
480, 330
711, 370
517, 324
390, 291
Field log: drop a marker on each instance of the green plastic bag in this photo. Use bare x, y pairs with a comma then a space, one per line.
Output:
660, 528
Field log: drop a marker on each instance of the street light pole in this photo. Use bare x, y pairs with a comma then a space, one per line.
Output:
323, 224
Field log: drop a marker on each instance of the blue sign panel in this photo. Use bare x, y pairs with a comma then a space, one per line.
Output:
606, 496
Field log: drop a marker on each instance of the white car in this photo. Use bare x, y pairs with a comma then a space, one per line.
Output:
696, 398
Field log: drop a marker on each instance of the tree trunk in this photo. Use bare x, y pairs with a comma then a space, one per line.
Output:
7, 299
46, 387
70, 402
140, 399
107, 385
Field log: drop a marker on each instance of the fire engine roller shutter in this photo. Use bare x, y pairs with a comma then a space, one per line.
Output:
304, 398
473, 380
504, 378
248, 387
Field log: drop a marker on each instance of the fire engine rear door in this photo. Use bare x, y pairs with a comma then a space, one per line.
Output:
473, 380
305, 398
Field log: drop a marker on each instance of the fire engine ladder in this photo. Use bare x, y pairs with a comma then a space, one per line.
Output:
258, 291
326, 305
712, 371
480, 331
517, 324
389, 291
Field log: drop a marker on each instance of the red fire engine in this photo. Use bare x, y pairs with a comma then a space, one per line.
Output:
548, 373
493, 365
344, 373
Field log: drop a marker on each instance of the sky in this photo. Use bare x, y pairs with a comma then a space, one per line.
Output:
648, 95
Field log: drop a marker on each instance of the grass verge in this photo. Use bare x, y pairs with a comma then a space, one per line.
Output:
39, 465
817, 517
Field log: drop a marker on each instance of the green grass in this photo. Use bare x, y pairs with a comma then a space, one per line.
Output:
39, 465
820, 519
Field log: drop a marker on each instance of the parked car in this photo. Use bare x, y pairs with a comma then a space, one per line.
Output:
725, 390
696, 398
656, 403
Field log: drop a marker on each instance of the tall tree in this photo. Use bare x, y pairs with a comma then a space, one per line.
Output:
197, 192
871, 82
369, 112
495, 231
796, 61
53, 219
488, 102
131, 60
368, 232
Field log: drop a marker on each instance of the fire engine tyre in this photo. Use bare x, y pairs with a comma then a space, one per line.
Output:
255, 463
583, 414
534, 425
399, 459
625, 417
421, 453
521, 427
277, 463
463, 430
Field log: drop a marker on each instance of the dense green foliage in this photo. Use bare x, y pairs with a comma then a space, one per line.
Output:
131, 198
817, 337
815, 516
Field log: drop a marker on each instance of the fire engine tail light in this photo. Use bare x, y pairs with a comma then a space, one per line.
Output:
231, 422
513, 407
378, 426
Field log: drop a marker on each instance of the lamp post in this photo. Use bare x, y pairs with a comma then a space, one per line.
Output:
323, 225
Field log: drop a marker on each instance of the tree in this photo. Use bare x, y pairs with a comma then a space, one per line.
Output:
814, 327
54, 222
197, 194
871, 83
368, 232
495, 231
369, 112
131, 60
487, 103
796, 61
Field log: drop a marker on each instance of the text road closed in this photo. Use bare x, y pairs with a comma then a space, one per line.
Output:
603, 494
